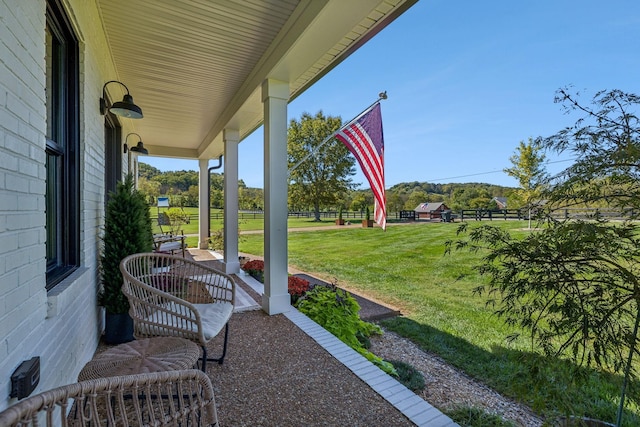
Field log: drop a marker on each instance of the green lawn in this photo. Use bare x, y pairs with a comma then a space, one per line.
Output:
406, 268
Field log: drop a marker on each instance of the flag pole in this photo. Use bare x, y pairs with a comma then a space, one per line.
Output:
381, 96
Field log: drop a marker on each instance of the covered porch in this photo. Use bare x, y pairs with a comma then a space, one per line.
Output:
208, 74
286, 370
204, 74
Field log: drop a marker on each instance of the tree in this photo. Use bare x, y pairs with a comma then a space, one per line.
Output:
574, 285
394, 201
361, 200
416, 198
528, 169
320, 180
149, 188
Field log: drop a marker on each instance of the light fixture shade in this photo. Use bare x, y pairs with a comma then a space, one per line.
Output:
139, 148
126, 108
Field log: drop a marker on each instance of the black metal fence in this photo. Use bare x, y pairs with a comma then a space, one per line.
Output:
461, 215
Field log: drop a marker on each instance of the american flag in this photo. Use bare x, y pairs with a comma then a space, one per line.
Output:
363, 137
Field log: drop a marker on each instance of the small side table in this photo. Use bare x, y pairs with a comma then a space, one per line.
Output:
141, 356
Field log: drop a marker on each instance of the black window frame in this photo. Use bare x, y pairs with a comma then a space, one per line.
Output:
112, 154
62, 187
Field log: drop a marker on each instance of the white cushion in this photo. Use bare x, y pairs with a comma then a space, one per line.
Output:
213, 316
170, 246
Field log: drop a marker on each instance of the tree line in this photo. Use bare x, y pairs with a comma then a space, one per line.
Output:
182, 189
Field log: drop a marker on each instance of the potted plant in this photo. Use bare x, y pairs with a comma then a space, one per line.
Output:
367, 222
340, 221
127, 230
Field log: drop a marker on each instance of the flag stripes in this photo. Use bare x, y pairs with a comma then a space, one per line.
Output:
364, 139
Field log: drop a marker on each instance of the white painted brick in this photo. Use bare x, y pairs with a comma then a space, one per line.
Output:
14, 259
8, 122
17, 183
28, 274
17, 221
3, 270
8, 202
9, 243
38, 187
66, 340
8, 161
29, 133
3, 90
28, 167
17, 146
26, 202
18, 108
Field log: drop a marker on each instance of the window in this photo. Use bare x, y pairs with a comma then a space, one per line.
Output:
62, 152
112, 154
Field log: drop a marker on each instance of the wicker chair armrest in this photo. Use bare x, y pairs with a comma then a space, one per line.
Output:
185, 396
158, 313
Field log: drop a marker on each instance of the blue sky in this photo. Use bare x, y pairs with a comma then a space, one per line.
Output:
467, 81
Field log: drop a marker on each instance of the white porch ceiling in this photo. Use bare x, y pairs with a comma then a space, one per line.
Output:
195, 67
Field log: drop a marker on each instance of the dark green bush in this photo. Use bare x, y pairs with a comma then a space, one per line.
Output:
337, 311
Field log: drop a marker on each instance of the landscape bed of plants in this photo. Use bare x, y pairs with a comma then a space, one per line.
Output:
332, 308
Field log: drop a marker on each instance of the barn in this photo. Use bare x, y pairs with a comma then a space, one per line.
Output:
431, 210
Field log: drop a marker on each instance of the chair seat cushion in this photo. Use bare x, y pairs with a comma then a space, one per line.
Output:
213, 316
170, 246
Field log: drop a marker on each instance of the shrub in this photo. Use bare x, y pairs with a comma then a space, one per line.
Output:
337, 311
127, 230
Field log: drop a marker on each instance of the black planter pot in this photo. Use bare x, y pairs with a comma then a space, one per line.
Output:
118, 328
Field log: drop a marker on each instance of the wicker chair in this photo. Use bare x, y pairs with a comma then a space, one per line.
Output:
173, 296
168, 398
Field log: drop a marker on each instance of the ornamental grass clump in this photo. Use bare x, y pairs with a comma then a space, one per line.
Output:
337, 311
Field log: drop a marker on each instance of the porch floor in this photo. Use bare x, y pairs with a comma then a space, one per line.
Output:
286, 370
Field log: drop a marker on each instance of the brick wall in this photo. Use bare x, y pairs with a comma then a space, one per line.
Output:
61, 326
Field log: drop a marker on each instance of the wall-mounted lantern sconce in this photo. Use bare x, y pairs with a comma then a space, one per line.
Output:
138, 148
124, 108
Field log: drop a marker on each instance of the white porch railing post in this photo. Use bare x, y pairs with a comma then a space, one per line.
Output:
231, 138
275, 95
203, 208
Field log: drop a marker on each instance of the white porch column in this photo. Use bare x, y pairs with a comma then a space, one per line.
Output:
203, 204
274, 97
231, 138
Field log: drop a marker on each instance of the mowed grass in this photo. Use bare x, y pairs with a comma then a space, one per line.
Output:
406, 267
